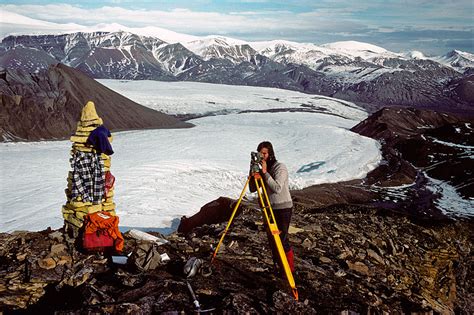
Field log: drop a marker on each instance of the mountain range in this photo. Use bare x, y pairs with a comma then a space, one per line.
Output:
363, 73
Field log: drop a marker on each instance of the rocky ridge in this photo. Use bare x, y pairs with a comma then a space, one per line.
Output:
349, 258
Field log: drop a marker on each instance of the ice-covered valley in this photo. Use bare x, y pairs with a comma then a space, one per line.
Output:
164, 174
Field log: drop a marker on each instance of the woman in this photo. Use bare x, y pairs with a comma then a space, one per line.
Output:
275, 177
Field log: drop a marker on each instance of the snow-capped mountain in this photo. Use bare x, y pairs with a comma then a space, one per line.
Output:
310, 55
414, 54
358, 49
354, 71
221, 47
459, 60
17, 24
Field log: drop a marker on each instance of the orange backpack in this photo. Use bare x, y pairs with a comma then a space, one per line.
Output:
99, 229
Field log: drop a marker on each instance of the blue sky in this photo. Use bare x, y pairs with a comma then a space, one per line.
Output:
433, 27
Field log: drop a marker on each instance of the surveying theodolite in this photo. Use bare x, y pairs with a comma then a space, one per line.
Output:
255, 166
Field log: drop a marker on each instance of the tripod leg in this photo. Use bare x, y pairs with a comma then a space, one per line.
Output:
231, 218
262, 202
267, 200
276, 237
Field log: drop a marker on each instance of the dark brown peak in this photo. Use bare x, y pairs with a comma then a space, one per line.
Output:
36, 115
390, 123
390, 114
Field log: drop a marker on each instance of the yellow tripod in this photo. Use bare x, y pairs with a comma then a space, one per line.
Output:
271, 223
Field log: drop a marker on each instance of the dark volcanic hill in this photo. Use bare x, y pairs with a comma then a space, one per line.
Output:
439, 145
47, 105
395, 124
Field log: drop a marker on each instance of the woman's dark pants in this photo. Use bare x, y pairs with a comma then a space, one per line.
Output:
282, 218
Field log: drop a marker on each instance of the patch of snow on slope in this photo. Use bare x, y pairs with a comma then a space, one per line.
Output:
450, 202
415, 54
359, 49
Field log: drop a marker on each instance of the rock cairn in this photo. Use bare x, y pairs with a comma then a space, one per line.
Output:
75, 210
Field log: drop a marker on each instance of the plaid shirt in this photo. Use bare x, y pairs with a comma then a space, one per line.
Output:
88, 177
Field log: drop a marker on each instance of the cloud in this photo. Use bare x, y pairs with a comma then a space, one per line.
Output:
252, 1
260, 12
402, 23
179, 19
341, 15
185, 20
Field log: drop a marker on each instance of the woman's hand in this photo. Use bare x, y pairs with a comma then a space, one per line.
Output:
264, 166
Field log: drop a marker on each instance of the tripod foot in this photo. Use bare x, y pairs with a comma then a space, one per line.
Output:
295, 293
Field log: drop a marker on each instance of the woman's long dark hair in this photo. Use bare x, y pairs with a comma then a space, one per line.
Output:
271, 159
